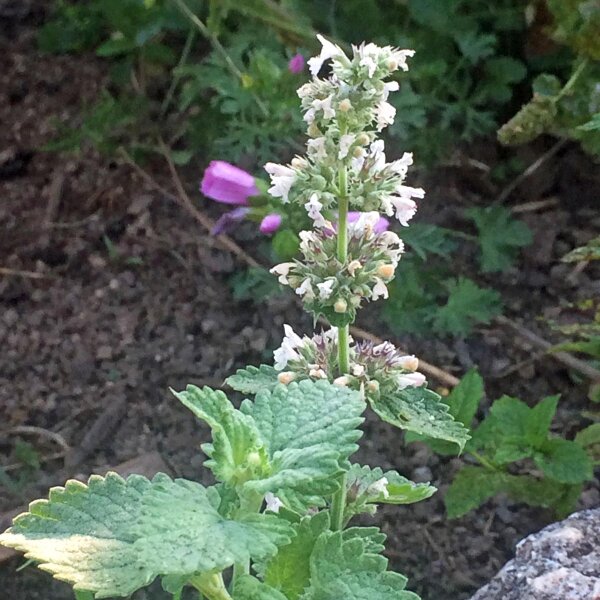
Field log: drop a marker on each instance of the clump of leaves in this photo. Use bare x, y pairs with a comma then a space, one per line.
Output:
512, 441
570, 109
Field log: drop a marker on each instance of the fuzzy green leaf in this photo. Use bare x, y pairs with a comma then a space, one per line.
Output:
289, 571
471, 487
500, 237
366, 489
237, 450
463, 402
252, 380
467, 305
420, 410
82, 535
309, 430
372, 538
564, 461
180, 514
344, 569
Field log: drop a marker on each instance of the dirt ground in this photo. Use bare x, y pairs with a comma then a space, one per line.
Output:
87, 333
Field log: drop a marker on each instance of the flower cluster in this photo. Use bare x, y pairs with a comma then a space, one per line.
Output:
374, 368
334, 289
344, 113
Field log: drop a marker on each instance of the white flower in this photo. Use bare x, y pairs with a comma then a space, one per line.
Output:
313, 208
379, 290
328, 51
376, 151
354, 266
400, 166
364, 225
317, 374
408, 362
282, 178
345, 142
282, 270
405, 209
273, 502
384, 115
316, 148
306, 239
305, 289
411, 380
325, 106
400, 56
358, 370
287, 351
326, 288
390, 86
379, 488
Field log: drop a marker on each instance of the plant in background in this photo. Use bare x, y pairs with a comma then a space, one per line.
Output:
571, 109
510, 435
277, 524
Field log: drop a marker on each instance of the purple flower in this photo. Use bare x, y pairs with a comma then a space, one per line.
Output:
381, 225
227, 183
271, 223
296, 64
229, 220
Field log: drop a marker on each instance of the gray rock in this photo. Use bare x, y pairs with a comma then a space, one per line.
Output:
561, 562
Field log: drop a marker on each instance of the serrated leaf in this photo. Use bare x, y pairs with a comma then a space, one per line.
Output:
368, 487
470, 488
289, 571
309, 430
589, 436
420, 410
250, 588
464, 399
500, 237
424, 239
564, 461
372, 538
237, 451
540, 419
177, 514
344, 569
467, 305
252, 380
82, 535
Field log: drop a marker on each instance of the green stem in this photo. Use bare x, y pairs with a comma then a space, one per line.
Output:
338, 502
483, 461
211, 586
573, 79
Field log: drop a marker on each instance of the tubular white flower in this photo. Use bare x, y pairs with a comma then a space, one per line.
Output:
328, 51
273, 502
316, 148
411, 380
390, 86
345, 142
400, 166
326, 288
282, 270
385, 114
379, 290
405, 209
305, 290
287, 351
314, 207
282, 178
400, 56
379, 488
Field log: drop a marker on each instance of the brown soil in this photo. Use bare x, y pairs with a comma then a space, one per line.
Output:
95, 333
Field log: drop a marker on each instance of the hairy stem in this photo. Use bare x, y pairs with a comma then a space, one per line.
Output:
338, 503
211, 586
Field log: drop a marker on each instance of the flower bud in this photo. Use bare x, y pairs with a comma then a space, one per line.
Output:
363, 139
286, 377
358, 151
319, 182
354, 266
342, 381
373, 386
299, 163
345, 105
254, 459
340, 306
392, 64
386, 271
355, 301
358, 370
317, 374
410, 363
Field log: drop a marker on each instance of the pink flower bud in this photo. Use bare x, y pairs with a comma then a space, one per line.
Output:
270, 223
227, 183
296, 64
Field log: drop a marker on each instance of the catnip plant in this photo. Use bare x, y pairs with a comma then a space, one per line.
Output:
277, 525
